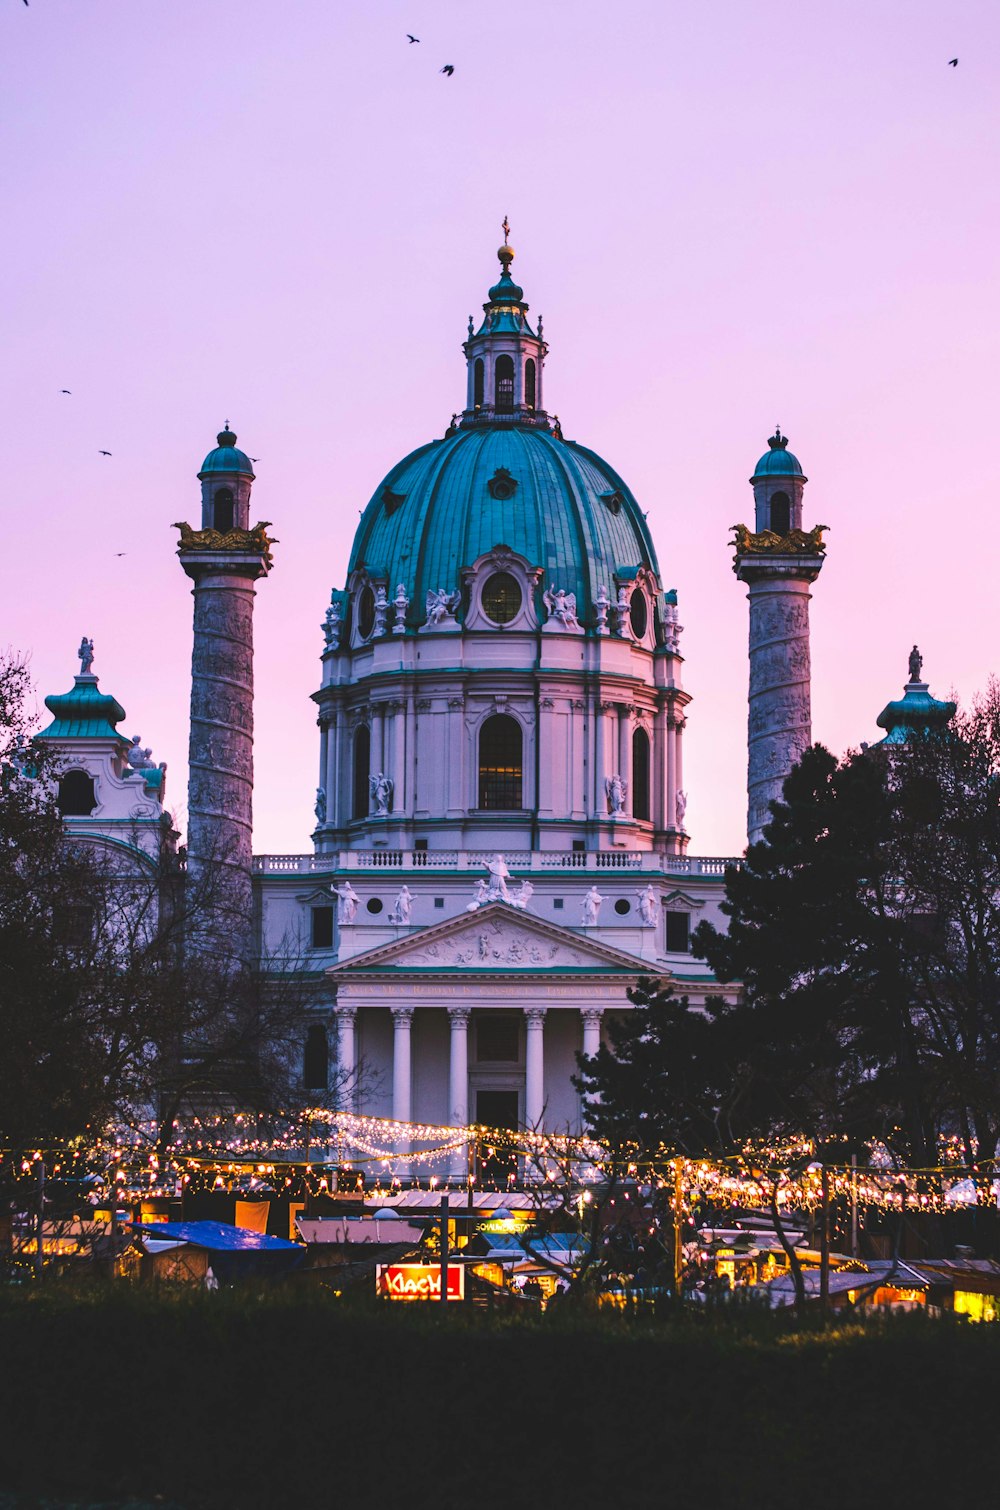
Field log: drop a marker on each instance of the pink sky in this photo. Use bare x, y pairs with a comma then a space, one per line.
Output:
729, 214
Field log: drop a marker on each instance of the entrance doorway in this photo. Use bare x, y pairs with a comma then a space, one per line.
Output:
496, 1109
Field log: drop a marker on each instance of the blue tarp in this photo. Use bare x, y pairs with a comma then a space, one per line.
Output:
236, 1252
220, 1237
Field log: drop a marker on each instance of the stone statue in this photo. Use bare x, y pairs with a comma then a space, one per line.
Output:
672, 629
916, 664
138, 758
648, 907
441, 605
480, 895
561, 606
591, 906
602, 603
381, 610
347, 905
319, 806
400, 603
680, 808
380, 786
522, 896
616, 788
402, 906
86, 654
331, 625
619, 611
496, 888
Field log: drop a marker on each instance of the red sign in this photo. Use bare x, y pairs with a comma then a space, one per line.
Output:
418, 1281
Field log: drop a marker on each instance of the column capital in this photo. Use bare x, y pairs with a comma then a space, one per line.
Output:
592, 1017
459, 1017
347, 1015
535, 1016
402, 1015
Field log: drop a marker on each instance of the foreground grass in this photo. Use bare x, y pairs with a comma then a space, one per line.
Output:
285, 1400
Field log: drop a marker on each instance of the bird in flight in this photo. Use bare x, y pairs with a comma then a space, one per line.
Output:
255, 458
412, 38
449, 69
104, 453
953, 63
67, 390
121, 553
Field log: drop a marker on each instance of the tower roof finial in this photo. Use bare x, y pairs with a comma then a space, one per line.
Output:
777, 441
506, 252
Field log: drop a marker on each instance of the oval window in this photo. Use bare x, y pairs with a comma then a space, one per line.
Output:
502, 598
637, 613
366, 613
623, 906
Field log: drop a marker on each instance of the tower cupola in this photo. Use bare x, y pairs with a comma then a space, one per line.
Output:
505, 356
778, 481
226, 478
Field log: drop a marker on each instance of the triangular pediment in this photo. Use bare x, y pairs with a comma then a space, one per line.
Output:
497, 937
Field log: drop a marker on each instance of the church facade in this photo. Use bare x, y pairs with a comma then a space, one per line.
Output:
501, 845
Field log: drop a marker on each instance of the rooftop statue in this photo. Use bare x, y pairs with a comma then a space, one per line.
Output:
86, 654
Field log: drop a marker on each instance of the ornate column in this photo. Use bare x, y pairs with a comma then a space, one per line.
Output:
346, 1057
534, 1063
334, 800
458, 1085
402, 1017
378, 738
625, 750
600, 806
458, 1074
591, 1030
409, 797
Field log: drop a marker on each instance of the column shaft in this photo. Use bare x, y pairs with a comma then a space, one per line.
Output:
401, 1067
346, 1057
534, 1080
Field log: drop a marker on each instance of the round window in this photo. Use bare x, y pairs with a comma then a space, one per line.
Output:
374, 904
622, 906
637, 613
502, 598
366, 613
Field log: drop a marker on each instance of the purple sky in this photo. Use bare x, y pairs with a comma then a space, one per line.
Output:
729, 215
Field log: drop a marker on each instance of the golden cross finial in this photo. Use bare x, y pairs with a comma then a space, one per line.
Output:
506, 230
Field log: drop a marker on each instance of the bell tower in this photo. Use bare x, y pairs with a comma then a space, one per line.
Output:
505, 356
224, 559
778, 561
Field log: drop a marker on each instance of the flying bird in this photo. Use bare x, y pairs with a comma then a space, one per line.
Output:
66, 390
409, 34
449, 69
255, 458
121, 553
104, 453
953, 63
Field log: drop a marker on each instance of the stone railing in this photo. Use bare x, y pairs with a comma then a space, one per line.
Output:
475, 860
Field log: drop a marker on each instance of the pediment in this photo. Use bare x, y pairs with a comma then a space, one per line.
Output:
496, 937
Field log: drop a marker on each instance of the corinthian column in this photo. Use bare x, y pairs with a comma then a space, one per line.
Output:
534, 1079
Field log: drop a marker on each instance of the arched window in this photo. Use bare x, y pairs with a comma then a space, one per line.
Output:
362, 770
500, 763
504, 399
366, 612
640, 774
529, 383
315, 1059
222, 510
478, 383
637, 613
781, 513
77, 798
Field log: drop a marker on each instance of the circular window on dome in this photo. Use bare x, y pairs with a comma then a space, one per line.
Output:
638, 614
366, 613
623, 906
502, 598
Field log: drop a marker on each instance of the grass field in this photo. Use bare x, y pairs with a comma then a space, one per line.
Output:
230, 1400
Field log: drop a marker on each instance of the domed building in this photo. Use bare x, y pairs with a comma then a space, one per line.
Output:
501, 812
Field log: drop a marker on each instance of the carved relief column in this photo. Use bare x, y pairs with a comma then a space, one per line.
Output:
402, 1078
346, 1057
534, 1064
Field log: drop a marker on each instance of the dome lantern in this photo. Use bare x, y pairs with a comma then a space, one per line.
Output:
505, 355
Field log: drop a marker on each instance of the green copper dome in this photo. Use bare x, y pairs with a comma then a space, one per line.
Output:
777, 460
916, 713
83, 713
552, 501
226, 458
